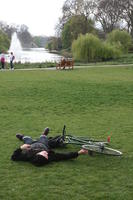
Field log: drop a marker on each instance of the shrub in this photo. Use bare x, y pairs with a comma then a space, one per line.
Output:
90, 48
4, 42
121, 39
109, 52
86, 48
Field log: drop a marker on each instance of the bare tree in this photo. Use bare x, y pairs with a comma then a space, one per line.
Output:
127, 14
107, 13
73, 8
8, 28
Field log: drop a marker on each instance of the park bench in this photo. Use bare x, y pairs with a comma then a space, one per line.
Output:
65, 64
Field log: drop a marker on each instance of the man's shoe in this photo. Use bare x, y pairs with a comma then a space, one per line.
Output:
46, 131
19, 136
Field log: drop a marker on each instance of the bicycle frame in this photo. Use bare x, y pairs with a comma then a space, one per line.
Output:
80, 140
90, 144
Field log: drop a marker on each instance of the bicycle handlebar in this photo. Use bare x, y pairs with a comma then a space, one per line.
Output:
64, 132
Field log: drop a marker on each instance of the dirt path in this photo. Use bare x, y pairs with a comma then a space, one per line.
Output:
75, 67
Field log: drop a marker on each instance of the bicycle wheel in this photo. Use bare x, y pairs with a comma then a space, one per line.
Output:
102, 149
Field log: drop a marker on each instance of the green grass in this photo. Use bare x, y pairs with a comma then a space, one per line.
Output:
32, 65
92, 102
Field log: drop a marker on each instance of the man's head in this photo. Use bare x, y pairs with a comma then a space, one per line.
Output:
16, 157
20, 155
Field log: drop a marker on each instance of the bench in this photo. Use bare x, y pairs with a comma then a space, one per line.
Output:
65, 63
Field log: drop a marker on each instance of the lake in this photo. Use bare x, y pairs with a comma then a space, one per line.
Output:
35, 55
30, 55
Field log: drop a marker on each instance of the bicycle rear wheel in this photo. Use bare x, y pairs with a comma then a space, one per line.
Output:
102, 150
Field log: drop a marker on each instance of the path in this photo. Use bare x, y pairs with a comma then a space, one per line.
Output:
75, 67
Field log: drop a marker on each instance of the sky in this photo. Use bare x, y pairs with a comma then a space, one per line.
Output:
40, 16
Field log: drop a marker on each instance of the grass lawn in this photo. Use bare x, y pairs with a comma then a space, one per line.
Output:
94, 102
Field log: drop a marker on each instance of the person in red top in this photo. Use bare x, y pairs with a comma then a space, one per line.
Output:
2, 60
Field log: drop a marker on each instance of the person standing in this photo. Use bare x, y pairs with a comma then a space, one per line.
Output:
12, 57
2, 60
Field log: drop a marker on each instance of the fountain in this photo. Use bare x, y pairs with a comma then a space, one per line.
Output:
16, 47
30, 55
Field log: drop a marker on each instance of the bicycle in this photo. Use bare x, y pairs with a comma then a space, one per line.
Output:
90, 144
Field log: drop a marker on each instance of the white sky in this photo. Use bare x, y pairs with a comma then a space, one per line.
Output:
41, 16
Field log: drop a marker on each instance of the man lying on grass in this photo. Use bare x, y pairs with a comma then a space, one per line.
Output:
39, 152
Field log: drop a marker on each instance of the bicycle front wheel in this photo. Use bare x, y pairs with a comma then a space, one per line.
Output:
102, 150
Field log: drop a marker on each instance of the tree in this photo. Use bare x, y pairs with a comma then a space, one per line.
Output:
90, 48
66, 36
4, 41
8, 28
121, 39
24, 36
85, 48
73, 8
22, 31
107, 13
54, 43
127, 14
41, 41
76, 25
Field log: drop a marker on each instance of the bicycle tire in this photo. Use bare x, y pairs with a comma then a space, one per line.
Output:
102, 149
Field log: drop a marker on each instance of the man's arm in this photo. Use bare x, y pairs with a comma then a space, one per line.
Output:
65, 156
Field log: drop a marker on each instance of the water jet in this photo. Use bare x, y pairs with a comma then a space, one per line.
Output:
16, 47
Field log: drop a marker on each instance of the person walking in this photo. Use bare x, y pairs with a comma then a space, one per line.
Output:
12, 57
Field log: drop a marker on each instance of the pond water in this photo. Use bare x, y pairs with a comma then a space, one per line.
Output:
31, 55
35, 55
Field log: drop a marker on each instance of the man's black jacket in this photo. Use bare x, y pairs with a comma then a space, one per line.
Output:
30, 155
